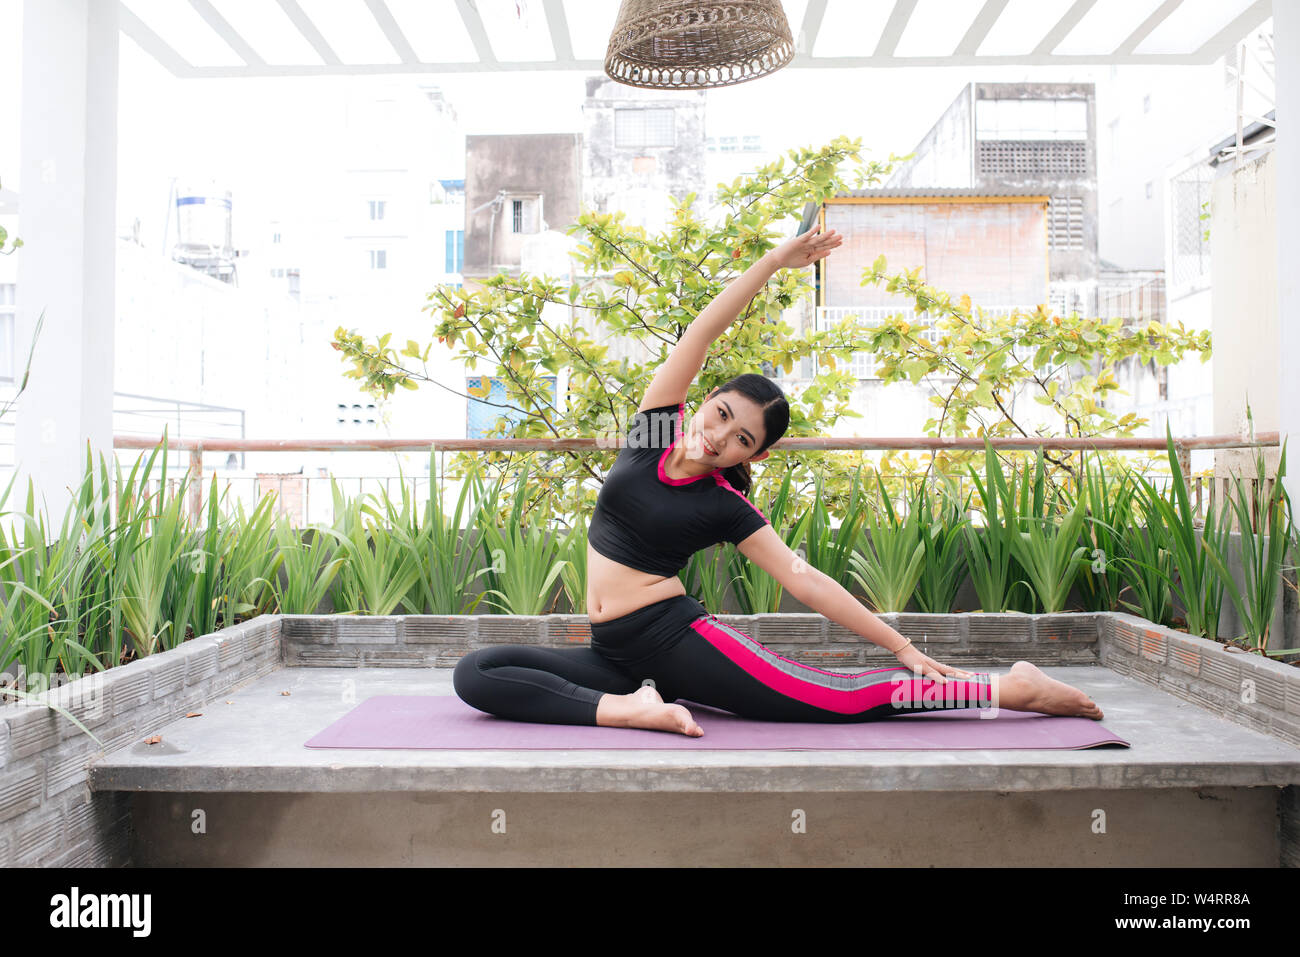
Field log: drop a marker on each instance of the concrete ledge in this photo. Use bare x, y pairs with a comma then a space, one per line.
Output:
1200, 715
254, 744
48, 813
431, 641
1232, 827
1250, 690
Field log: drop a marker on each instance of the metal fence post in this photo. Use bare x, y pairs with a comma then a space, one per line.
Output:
196, 477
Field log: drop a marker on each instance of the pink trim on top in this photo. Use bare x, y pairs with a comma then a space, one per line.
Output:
717, 474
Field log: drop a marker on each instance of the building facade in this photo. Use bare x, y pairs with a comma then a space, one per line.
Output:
517, 186
1025, 136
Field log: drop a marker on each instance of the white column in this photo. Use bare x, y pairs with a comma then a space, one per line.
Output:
1286, 44
67, 211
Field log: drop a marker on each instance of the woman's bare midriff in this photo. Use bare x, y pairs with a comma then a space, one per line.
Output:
615, 590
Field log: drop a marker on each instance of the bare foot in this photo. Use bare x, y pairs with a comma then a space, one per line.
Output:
1027, 688
645, 708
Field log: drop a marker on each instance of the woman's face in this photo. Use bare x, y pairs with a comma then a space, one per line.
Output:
732, 426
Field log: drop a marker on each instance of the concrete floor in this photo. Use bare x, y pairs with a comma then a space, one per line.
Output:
236, 787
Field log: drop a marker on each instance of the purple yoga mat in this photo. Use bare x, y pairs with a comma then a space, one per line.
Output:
440, 722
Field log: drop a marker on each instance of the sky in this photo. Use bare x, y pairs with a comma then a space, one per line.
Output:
238, 130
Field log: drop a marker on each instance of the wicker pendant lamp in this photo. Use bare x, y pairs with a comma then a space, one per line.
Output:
697, 44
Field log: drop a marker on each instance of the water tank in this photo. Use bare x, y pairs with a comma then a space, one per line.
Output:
203, 221
203, 231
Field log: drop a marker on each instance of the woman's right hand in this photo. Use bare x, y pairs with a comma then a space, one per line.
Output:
806, 248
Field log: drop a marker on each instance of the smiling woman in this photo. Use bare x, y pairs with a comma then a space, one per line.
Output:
672, 492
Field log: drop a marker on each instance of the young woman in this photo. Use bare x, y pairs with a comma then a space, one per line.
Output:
674, 490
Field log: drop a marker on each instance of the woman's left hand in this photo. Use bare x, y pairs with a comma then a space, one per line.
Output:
806, 248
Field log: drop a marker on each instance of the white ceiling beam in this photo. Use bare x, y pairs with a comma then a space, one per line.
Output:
811, 26
1252, 17
1078, 10
309, 33
228, 33
384, 17
469, 15
964, 55
980, 27
897, 22
894, 28
559, 26
152, 43
1147, 25
597, 66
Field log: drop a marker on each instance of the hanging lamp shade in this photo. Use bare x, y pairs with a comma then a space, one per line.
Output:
697, 44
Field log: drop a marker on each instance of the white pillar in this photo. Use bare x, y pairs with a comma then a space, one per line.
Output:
67, 212
1286, 44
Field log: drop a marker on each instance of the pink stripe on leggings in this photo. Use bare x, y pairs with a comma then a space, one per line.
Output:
745, 652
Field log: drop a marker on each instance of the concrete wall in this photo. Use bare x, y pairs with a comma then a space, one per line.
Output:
1243, 247
995, 252
1068, 265
545, 163
48, 815
944, 155
1148, 119
639, 180
949, 156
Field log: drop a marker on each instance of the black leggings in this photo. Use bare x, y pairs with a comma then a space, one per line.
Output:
685, 652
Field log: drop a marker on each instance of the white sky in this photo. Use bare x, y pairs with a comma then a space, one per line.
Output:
241, 130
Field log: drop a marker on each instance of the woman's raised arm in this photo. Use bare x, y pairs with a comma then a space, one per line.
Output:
673, 379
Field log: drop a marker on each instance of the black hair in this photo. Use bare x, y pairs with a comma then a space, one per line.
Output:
767, 395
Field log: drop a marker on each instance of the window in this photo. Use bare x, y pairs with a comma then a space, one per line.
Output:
639, 128
379, 259
455, 250
524, 214
1031, 119
1151, 189
1189, 196
356, 413
1034, 157
275, 237
376, 209
8, 307
1065, 222
481, 414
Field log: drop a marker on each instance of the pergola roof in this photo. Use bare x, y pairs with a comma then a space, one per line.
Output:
940, 192
260, 38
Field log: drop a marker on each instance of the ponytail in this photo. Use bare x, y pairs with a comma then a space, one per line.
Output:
739, 477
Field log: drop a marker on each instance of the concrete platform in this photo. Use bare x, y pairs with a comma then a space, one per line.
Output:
254, 743
236, 787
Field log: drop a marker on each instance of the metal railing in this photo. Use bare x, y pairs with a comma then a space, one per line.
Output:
1202, 490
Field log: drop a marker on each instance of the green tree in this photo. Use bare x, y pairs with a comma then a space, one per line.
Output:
645, 289
981, 363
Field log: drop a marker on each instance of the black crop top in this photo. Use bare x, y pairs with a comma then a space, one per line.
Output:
649, 521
